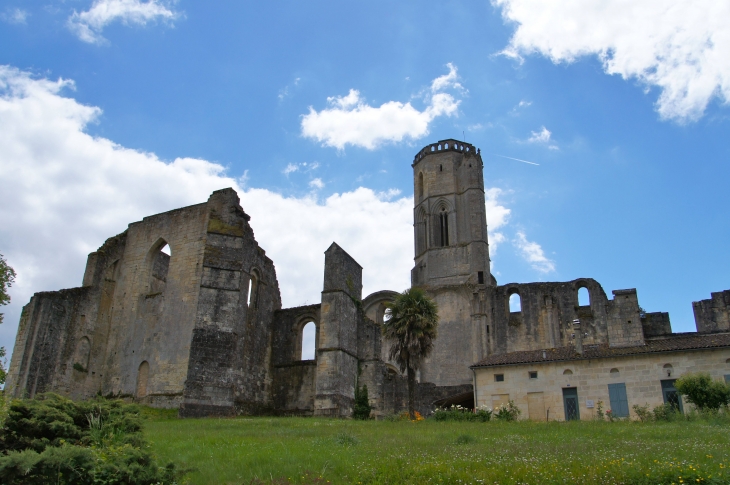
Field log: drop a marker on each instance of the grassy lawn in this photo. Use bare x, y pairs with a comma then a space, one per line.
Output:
301, 450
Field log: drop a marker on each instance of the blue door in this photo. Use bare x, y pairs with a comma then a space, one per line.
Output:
619, 402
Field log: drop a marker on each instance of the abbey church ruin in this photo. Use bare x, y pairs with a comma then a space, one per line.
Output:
183, 310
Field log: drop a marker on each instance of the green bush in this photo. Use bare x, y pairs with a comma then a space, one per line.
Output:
642, 412
362, 407
510, 412
666, 412
702, 391
51, 439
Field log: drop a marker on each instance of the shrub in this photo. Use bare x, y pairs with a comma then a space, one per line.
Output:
51, 439
642, 412
510, 412
460, 413
702, 391
362, 408
666, 412
600, 414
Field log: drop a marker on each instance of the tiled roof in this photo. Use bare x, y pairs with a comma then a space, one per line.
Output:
668, 344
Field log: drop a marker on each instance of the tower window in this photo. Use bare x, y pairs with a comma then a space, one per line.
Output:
441, 168
480, 277
444, 222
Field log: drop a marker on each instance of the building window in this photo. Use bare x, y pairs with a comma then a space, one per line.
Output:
584, 298
567, 372
307, 342
727, 378
533, 374
671, 395
498, 377
614, 372
515, 303
619, 402
444, 233
480, 277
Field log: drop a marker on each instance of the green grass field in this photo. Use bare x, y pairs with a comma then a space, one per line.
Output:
309, 450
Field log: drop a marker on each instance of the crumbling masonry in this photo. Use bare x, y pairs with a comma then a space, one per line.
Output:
202, 329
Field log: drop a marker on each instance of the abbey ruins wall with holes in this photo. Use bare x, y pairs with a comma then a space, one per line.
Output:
203, 329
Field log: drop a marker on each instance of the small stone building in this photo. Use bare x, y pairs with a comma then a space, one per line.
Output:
183, 310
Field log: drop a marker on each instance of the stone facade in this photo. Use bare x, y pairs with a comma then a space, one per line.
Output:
537, 387
199, 327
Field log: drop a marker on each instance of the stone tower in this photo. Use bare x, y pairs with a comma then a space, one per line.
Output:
450, 223
452, 255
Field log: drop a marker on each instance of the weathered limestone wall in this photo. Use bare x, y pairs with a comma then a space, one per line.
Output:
230, 354
293, 378
337, 360
641, 373
713, 315
61, 328
153, 313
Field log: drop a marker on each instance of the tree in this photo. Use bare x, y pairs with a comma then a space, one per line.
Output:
702, 391
7, 277
410, 326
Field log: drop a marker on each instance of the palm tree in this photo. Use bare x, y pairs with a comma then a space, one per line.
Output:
410, 326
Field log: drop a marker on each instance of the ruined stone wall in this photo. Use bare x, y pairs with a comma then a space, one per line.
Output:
713, 315
154, 307
59, 329
229, 370
656, 324
337, 352
293, 378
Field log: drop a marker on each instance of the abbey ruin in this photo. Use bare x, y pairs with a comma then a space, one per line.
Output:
202, 329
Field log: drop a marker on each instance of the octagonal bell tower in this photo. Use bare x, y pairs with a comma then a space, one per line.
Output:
450, 222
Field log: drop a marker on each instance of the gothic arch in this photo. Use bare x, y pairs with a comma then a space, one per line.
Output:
143, 375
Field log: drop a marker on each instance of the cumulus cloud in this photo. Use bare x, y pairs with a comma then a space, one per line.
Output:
349, 120
532, 253
15, 16
542, 136
89, 24
679, 46
64, 192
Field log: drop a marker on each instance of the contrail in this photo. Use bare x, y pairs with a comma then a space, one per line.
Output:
517, 159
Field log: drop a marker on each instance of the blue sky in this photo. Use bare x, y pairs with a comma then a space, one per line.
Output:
111, 110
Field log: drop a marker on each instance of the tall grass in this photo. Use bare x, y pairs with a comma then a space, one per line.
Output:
301, 450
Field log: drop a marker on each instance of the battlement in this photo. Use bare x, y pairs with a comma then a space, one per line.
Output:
449, 145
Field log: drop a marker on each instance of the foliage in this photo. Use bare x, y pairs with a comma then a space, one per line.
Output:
278, 450
702, 391
642, 412
459, 413
600, 414
411, 327
53, 439
7, 277
510, 412
666, 412
346, 439
362, 408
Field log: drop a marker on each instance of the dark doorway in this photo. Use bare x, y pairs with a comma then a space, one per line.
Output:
570, 402
671, 395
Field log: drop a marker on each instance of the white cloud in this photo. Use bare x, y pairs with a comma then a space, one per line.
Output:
316, 183
15, 16
350, 120
542, 136
88, 25
64, 192
297, 167
532, 253
679, 46
497, 218
285, 92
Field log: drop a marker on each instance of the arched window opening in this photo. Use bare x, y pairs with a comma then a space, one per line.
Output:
614, 372
309, 340
444, 228
143, 375
81, 356
584, 297
668, 370
253, 291
567, 372
419, 185
515, 303
160, 268
421, 231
